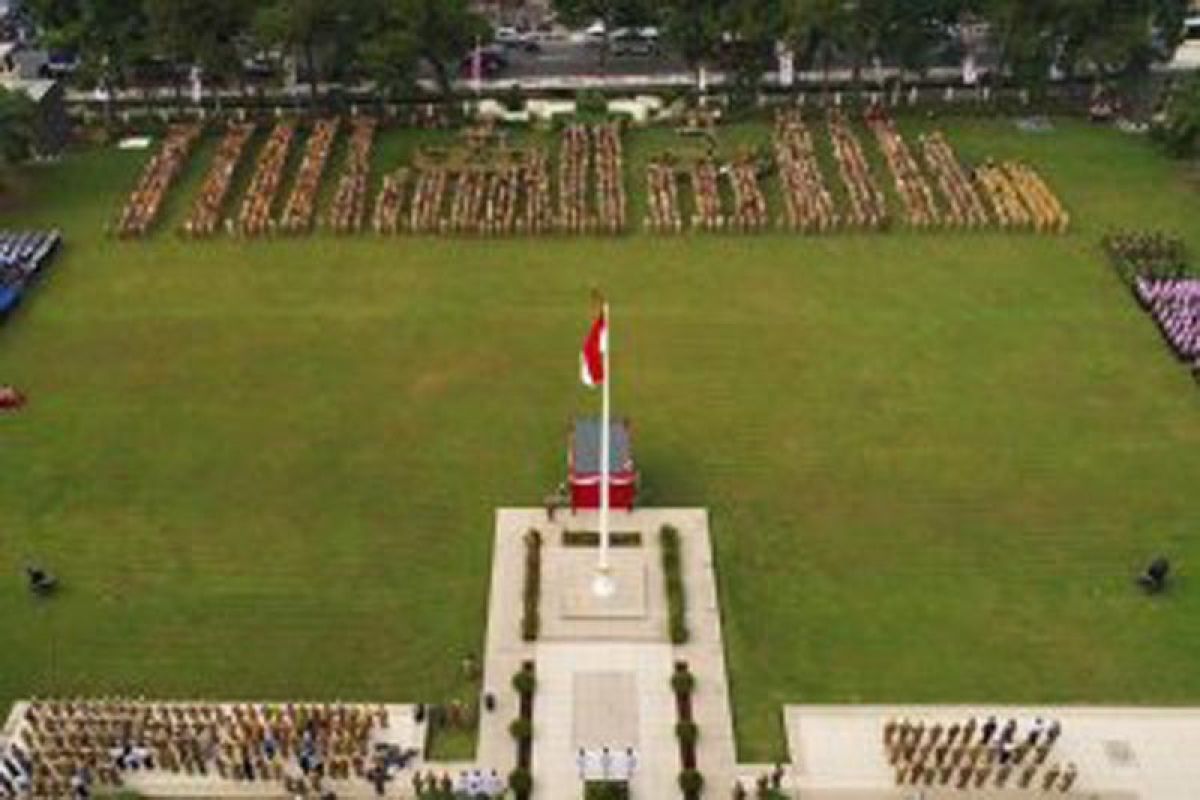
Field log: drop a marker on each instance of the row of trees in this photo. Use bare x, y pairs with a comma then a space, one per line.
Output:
387, 40
381, 40
1114, 38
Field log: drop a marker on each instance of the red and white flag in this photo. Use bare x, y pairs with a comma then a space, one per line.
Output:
591, 358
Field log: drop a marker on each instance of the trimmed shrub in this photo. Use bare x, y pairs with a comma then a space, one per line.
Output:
520, 781
521, 728
524, 681
673, 577
687, 733
683, 682
691, 782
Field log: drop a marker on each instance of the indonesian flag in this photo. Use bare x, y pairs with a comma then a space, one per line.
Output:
591, 358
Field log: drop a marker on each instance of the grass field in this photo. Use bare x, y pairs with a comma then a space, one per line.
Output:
933, 461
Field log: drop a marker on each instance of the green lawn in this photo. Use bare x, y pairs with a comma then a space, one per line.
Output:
934, 461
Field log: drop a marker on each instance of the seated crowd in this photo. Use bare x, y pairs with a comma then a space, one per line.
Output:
145, 201
920, 208
24, 255
301, 206
65, 748
973, 753
205, 215
349, 204
254, 218
809, 204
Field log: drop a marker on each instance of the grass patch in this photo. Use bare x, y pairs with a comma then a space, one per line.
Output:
264, 469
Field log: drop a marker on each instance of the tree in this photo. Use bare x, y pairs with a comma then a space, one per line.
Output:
300, 26
694, 27
1178, 130
444, 32
18, 127
110, 36
390, 55
749, 32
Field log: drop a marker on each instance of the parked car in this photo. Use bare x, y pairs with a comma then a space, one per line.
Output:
629, 42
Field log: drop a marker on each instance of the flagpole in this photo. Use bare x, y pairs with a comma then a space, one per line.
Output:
604, 455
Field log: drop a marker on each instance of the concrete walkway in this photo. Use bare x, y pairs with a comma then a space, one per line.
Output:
1121, 753
604, 668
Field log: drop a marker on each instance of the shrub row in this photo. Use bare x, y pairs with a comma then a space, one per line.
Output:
520, 780
530, 621
683, 683
673, 575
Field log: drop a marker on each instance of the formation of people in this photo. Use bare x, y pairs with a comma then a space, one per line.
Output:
301, 206
71, 748
142, 208
485, 187
662, 197
1174, 303
963, 206
977, 753
254, 218
467, 785
914, 191
868, 206
808, 203
204, 218
1019, 198
349, 205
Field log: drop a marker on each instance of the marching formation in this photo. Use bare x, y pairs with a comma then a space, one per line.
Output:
1174, 303
970, 753
1019, 198
425, 213
749, 204
486, 187
706, 196
64, 748
205, 215
254, 219
920, 209
350, 198
964, 208
145, 201
574, 163
610, 178
868, 208
301, 206
662, 190
389, 203
809, 204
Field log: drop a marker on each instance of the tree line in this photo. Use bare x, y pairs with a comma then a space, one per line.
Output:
388, 41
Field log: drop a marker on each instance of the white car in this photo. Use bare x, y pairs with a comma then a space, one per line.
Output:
507, 36
597, 30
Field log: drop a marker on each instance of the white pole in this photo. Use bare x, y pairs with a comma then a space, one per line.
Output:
604, 447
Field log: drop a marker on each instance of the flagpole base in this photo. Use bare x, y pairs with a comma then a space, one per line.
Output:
603, 584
